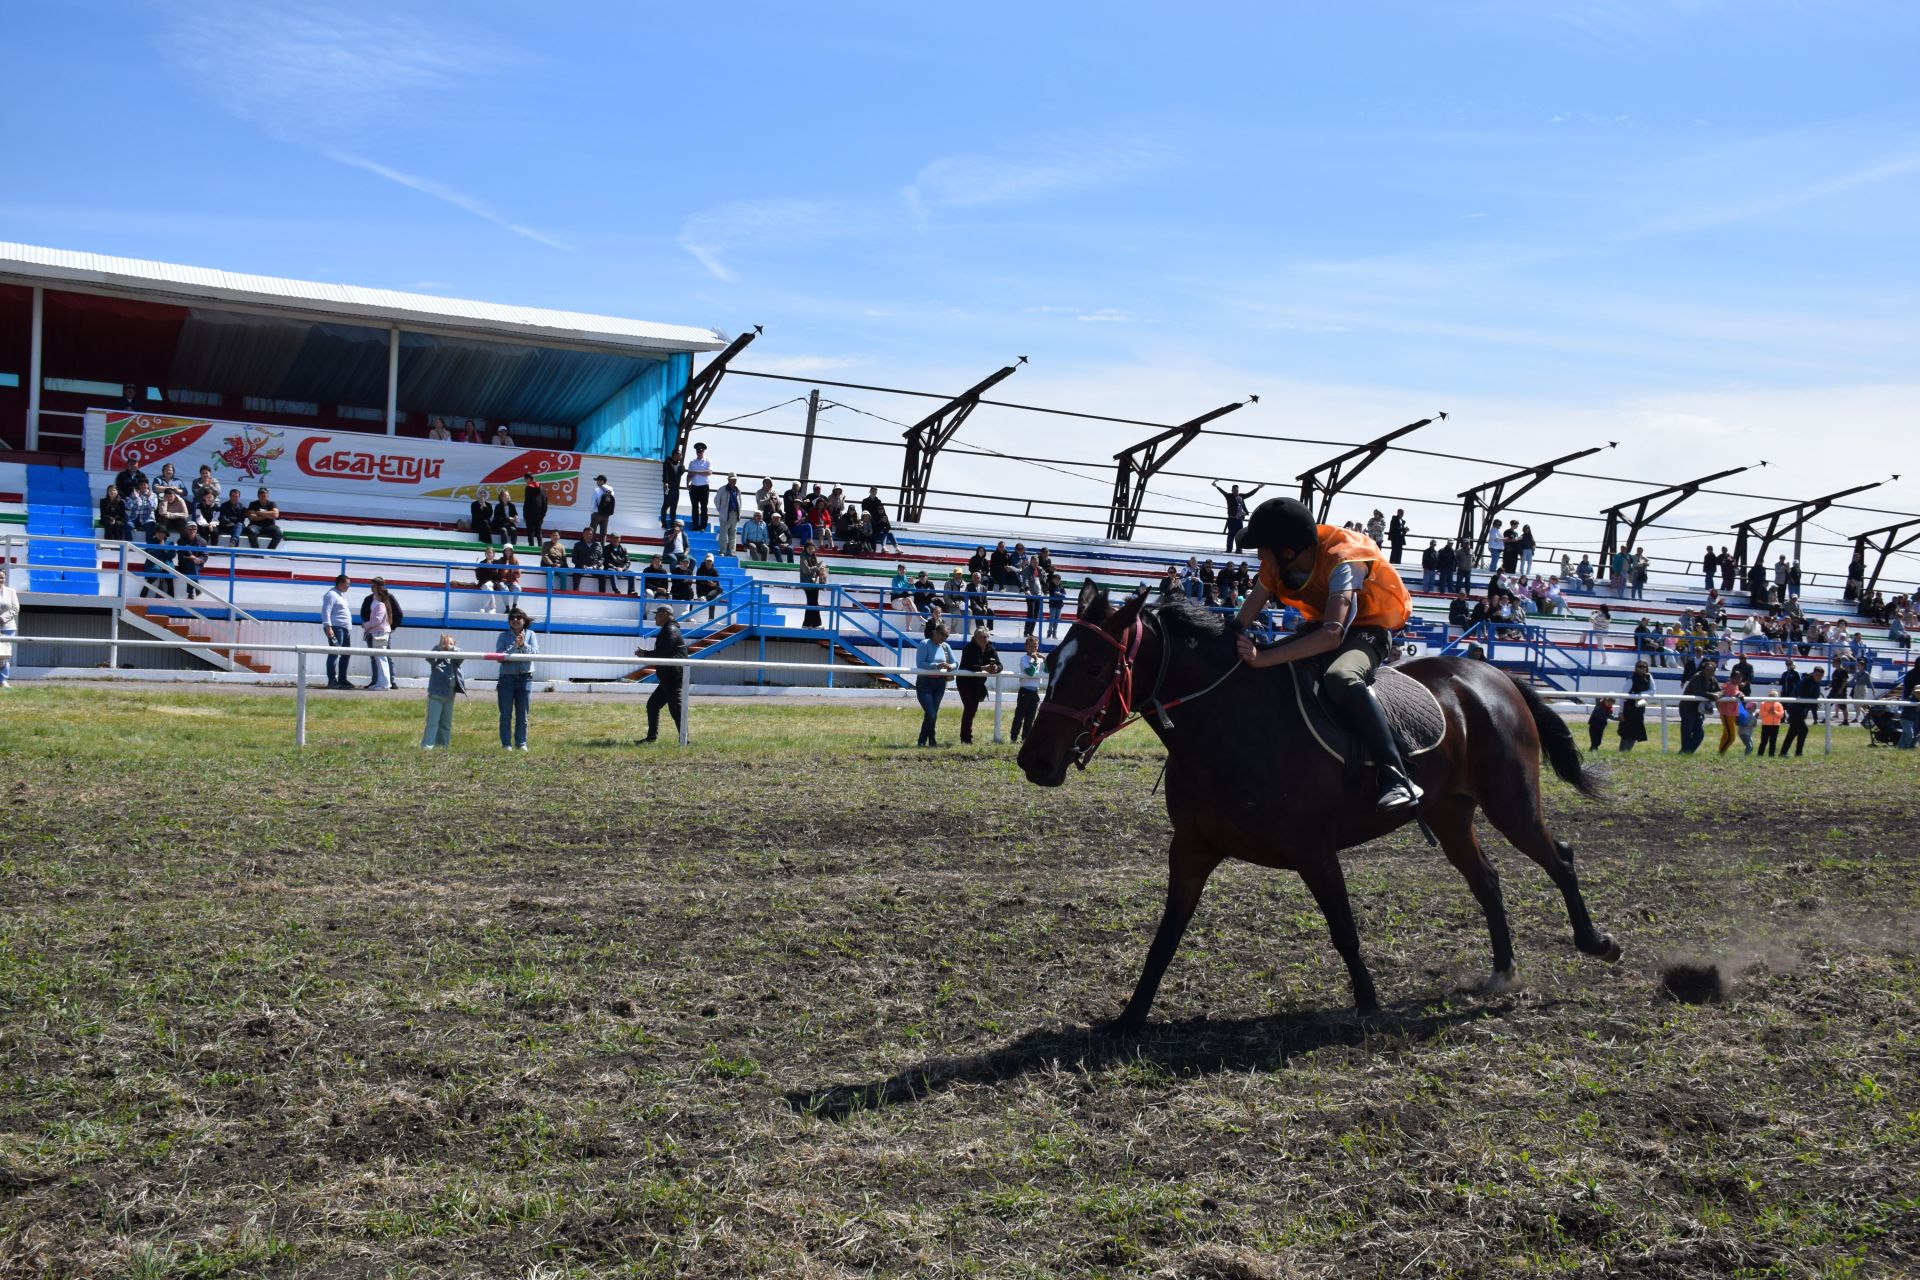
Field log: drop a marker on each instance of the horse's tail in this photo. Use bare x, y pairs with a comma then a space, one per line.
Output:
1556, 741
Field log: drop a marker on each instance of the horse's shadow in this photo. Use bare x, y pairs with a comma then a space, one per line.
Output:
1190, 1046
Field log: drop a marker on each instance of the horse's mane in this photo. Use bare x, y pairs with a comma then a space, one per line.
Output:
1181, 616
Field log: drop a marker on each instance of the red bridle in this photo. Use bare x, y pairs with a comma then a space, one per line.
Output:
1119, 685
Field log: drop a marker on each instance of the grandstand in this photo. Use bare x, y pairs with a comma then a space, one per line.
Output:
326, 394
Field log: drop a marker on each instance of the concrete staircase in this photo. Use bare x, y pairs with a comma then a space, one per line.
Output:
161, 627
757, 608
60, 505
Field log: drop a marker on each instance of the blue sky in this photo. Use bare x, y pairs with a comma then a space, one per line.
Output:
1685, 225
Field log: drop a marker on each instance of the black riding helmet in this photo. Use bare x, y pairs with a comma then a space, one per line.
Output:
1280, 524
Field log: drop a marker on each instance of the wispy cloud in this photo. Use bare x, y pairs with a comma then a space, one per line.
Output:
319, 71
802, 366
440, 191
1711, 215
712, 235
1049, 167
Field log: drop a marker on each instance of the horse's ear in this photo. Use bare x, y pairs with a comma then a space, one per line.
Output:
1122, 618
1093, 604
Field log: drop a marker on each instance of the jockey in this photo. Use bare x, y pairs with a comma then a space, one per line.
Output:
1351, 599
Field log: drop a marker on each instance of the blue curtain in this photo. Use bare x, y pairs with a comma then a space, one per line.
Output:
636, 420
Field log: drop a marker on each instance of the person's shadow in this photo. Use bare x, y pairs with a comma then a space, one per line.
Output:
1190, 1046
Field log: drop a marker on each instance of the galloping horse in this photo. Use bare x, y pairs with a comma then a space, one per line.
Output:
1246, 780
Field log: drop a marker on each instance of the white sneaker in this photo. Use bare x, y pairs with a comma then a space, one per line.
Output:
521, 747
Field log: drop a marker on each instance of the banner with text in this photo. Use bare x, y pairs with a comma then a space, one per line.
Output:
352, 474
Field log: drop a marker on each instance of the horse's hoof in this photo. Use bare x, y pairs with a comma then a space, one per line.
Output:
1497, 981
1121, 1028
1612, 951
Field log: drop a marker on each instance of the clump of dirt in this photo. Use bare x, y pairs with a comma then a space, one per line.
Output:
1693, 983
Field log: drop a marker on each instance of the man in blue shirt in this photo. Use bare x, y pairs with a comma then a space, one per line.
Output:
933, 660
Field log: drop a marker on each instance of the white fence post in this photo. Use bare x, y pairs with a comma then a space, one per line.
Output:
1663, 728
998, 695
1830, 708
300, 698
686, 701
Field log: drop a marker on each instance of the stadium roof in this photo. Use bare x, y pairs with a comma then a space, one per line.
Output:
32, 264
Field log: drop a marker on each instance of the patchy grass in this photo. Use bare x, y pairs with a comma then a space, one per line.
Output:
804, 1001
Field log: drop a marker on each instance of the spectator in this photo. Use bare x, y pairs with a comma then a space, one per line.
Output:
533, 508
553, 559
469, 434
113, 515
656, 579
957, 597
681, 568
336, 622
1597, 722
1637, 575
510, 576
978, 655
765, 500
504, 516
753, 536
233, 518
1446, 560
1727, 568
380, 617
707, 581
1026, 699
169, 481
1377, 527
802, 534
779, 539
438, 431
900, 589
514, 689
1701, 688
924, 594
1806, 700
1837, 685
1731, 707
933, 660
1000, 575
1396, 535
726, 511
1793, 580
821, 518
189, 558
9, 626
501, 438
205, 515
1633, 715
674, 545
1236, 510
1460, 612
1771, 714
667, 681
1429, 565
1035, 590
1056, 603
1510, 551
1599, 626
881, 524
603, 505
699, 477
1496, 546
140, 513
263, 521
204, 486
670, 472
129, 479
586, 559
618, 564
979, 603
813, 576
486, 577
443, 682
480, 515
1710, 567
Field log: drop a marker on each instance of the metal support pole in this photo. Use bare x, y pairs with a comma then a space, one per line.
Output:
300, 698
806, 448
1663, 727
34, 345
393, 381
686, 702
120, 604
998, 693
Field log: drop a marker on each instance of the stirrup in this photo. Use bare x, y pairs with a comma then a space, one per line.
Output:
1398, 792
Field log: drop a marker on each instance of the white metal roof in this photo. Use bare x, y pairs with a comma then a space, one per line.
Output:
25, 263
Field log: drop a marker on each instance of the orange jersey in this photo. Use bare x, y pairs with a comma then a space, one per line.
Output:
1384, 601
1772, 712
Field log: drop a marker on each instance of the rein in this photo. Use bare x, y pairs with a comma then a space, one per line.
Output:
1120, 687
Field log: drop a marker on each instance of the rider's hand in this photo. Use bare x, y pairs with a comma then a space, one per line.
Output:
1250, 653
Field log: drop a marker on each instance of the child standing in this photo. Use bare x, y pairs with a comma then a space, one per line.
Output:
1772, 712
443, 681
1026, 702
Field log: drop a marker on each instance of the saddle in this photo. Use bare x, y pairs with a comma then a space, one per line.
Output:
1413, 713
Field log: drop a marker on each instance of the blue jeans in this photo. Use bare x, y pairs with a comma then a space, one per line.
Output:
514, 693
6, 664
929, 692
439, 731
338, 638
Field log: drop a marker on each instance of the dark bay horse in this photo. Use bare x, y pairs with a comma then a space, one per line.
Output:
1246, 780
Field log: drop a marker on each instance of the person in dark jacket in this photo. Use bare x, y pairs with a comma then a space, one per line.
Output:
534, 510
1633, 715
113, 515
503, 517
480, 516
978, 655
586, 559
1444, 561
619, 565
1396, 535
667, 643
1597, 722
1806, 691
1702, 686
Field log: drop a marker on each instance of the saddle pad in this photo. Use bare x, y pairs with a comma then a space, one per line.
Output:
1413, 712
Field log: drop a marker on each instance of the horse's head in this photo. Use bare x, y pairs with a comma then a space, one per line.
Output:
1089, 687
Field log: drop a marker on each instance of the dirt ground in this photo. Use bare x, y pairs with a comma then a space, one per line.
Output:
803, 1001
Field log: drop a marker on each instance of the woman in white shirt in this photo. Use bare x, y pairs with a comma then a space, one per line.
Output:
9, 626
378, 628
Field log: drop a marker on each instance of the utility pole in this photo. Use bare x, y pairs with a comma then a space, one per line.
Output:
806, 449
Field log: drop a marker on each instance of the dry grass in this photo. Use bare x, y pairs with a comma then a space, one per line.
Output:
801, 1001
